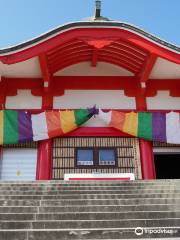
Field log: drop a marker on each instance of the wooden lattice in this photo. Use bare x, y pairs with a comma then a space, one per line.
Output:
64, 155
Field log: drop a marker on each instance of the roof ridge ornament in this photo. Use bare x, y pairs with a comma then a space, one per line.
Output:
98, 9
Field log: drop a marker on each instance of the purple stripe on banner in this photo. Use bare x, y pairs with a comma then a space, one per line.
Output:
159, 127
25, 127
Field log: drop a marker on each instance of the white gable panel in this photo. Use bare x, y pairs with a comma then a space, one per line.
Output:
85, 69
163, 101
23, 100
165, 69
95, 122
28, 68
114, 99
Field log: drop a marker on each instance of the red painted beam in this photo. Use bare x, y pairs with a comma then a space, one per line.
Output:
128, 48
127, 56
121, 58
94, 57
60, 61
46, 75
119, 63
172, 85
23, 83
72, 52
147, 68
61, 65
125, 52
78, 59
131, 45
68, 50
60, 83
72, 56
44, 67
91, 33
93, 83
72, 43
62, 55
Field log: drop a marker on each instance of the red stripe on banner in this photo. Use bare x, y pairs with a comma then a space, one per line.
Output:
53, 124
123, 179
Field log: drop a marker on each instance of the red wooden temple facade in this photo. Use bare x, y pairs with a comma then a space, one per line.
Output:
113, 65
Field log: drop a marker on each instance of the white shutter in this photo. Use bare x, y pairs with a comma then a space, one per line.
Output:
18, 164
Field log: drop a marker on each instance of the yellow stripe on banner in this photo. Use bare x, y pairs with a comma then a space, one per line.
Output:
67, 120
131, 123
1, 127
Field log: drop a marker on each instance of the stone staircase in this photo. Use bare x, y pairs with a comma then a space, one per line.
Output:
55, 210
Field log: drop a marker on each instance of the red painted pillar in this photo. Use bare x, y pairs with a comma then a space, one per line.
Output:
2, 106
44, 160
146, 151
44, 156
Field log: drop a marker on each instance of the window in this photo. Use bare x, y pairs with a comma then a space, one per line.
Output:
96, 157
85, 157
107, 157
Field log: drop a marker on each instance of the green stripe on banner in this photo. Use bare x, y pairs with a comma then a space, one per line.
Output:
10, 127
145, 125
81, 116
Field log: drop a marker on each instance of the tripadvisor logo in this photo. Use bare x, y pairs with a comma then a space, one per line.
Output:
139, 231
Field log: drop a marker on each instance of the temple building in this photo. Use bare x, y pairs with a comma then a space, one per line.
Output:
95, 62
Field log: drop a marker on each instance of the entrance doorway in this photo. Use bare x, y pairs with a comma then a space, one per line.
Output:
167, 165
18, 162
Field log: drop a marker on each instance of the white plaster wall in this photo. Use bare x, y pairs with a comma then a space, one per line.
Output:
28, 68
95, 122
85, 69
109, 99
165, 69
24, 100
163, 101
87, 98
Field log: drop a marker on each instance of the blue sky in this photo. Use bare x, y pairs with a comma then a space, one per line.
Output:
21, 20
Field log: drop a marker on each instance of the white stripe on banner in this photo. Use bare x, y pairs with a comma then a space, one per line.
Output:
105, 116
173, 127
39, 126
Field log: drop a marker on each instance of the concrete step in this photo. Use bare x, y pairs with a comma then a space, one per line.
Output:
86, 202
95, 224
90, 196
89, 216
110, 208
74, 186
22, 209
90, 208
102, 187
96, 182
88, 234
87, 209
78, 192
132, 201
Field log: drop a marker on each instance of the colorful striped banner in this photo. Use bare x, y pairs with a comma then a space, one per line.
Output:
156, 126
20, 126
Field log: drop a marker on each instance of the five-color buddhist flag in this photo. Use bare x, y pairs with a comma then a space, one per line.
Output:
153, 126
20, 126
